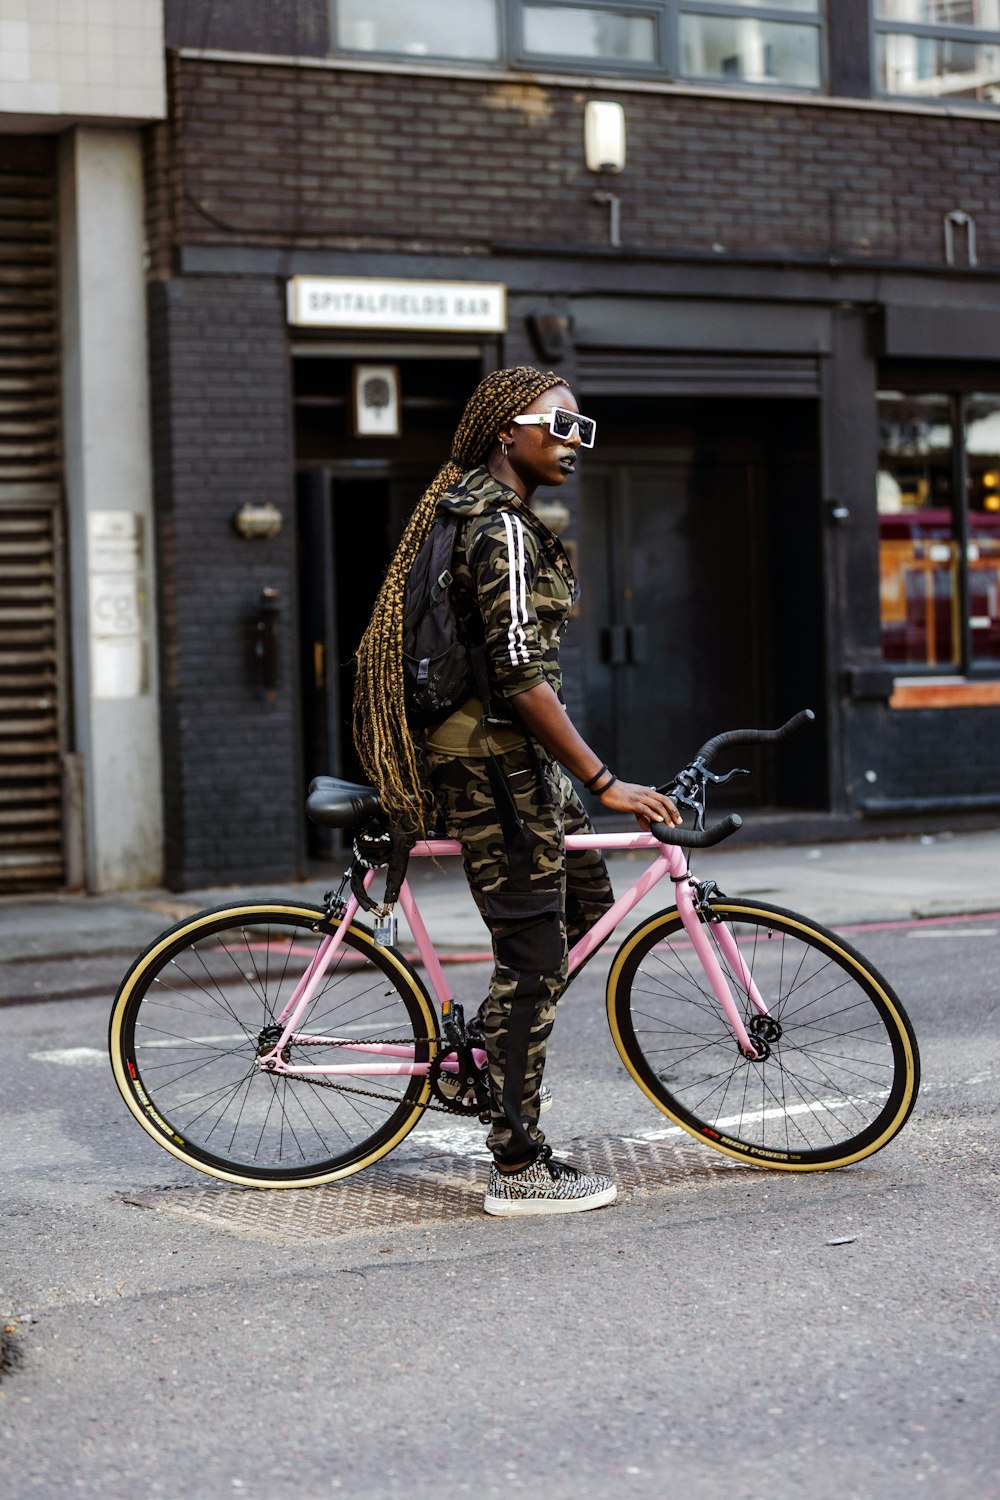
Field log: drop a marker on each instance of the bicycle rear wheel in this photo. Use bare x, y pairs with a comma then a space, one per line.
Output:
840, 1068
190, 1021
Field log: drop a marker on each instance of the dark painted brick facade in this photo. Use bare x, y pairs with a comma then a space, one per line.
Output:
294, 29
279, 155
222, 437
921, 754
258, 156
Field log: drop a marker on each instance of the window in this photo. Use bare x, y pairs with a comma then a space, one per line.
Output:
743, 42
939, 530
435, 28
938, 49
719, 43
584, 32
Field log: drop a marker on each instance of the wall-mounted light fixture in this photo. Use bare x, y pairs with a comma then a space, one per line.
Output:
552, 335
604, 136
261, 521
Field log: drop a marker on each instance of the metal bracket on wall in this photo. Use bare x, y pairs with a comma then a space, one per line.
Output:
614, 206
959, 219
265, 645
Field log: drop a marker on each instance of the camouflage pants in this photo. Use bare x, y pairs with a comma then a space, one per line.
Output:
536, 900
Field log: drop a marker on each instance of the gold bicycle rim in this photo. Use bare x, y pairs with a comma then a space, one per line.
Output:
828, 942
159, 1130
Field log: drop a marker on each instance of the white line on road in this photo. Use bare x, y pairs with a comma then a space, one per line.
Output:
950, 932
71, 1057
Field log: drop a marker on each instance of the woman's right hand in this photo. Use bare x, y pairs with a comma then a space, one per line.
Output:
648, 805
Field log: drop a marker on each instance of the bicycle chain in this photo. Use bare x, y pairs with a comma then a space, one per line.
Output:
345, 1088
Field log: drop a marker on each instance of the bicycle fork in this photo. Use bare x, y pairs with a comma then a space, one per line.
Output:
703, 946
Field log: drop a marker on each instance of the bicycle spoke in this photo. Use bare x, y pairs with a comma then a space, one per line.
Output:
829, 1060
203, 1082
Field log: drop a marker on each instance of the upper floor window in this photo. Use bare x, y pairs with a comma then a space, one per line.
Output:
768, 43
776, 44
938, 49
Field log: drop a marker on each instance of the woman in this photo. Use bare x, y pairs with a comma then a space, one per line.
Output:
496, 773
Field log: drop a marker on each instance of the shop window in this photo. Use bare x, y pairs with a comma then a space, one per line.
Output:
939, 530
739, 42
938, 49
982, 459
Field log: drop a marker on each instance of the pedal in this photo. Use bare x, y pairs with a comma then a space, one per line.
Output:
453, 1018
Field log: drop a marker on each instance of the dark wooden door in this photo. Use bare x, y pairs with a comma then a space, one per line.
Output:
348, 527
672, 570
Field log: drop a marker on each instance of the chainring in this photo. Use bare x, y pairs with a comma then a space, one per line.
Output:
454, 1092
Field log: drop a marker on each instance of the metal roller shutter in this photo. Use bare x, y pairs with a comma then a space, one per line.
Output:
611, 372
31, 742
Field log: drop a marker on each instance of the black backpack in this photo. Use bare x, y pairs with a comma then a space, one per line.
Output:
440, 671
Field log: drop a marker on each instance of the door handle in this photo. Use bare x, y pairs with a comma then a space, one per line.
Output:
614, 645
638, 645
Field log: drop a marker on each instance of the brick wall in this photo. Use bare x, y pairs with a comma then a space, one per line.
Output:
924, 753
278, 155
221, 436
161, 177
299, 29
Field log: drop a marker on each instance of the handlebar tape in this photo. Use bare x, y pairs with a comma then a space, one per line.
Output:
753, 736
690, 838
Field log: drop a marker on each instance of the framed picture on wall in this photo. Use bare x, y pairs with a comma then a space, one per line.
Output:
376, 401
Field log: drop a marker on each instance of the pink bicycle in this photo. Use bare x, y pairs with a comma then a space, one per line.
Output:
282, 1044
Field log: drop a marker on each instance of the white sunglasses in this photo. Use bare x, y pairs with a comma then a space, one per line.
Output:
561, 422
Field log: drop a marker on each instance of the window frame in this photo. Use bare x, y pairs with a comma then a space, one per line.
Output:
656, 10
429, 59
666, 15
958, 392
880, 27
727, 9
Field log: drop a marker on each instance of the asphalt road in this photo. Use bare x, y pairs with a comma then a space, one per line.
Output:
701, 1339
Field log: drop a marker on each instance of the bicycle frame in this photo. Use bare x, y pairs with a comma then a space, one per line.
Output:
670, 860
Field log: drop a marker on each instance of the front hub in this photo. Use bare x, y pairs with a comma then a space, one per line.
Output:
763, 1031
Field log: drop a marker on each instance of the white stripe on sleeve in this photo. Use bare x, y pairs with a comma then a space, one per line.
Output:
517, 645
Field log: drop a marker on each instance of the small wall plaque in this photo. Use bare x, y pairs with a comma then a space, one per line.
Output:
376, 401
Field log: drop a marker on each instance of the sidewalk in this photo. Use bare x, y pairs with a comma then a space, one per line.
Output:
839, 884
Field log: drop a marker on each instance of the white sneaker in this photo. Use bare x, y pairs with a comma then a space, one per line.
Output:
546, 1187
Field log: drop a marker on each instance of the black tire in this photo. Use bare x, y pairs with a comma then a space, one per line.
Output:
841, 1076
184, 1036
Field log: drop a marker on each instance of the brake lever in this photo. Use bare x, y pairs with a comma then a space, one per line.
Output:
726, 776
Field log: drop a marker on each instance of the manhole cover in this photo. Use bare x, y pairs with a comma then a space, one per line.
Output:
427, 1190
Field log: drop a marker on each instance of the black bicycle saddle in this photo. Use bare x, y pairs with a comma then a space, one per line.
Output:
333, 803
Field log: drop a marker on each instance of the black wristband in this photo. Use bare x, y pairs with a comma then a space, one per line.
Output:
596, 777
607, 786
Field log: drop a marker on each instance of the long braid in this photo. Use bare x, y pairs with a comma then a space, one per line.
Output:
381, 734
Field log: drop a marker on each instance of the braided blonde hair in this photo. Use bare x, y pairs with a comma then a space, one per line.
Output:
381, 734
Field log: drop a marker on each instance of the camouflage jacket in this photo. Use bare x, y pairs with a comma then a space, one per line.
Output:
514, 584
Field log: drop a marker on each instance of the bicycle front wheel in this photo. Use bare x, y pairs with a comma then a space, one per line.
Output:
839, 1068
200, 1006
